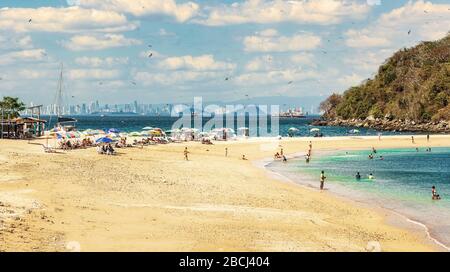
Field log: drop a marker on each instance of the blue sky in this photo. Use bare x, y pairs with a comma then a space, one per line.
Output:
264, 48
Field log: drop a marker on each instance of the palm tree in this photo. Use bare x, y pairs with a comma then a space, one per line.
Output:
11, 107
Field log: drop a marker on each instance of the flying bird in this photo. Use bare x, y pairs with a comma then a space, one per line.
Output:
151, 55
409, 32
134, 83
29, 21
290, 82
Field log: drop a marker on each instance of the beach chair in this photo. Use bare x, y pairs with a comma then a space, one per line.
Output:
48, 149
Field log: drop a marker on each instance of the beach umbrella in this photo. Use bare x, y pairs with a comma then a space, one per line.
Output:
105, 140
293, 129
113, 135
314, 130
134, 134
147, 128
113, 130
354, 131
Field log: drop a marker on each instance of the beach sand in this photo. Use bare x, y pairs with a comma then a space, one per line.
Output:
150, 199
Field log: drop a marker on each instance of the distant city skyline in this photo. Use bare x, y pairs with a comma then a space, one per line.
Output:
97, 107
168, 51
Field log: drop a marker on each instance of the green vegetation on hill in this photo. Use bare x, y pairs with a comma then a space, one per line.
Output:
413, 84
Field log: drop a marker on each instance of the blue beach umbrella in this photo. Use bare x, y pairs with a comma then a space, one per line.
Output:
104, 140
113, 130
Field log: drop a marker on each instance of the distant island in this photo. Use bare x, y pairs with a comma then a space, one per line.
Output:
411, 92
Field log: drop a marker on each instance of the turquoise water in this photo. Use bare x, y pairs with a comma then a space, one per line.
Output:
402, 183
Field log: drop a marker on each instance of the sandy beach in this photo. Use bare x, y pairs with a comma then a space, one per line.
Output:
150, 199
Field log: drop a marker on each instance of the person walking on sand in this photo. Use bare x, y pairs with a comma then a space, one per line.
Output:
310, 146
428, 137
412, 140
186, 152
322, 180
226, 151
282, 152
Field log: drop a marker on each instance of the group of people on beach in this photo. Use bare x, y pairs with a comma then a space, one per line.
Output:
67, 144
280, 155
106, 149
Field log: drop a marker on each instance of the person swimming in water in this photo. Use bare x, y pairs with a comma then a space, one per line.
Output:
434, 194
358, 176
371, 157
374, 151
382, 158
371, 177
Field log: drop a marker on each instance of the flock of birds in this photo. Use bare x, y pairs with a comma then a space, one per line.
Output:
228, 78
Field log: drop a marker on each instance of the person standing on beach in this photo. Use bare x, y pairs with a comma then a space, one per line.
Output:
322, 180
282, 152
412, 140
226, 151
428, 137
186, 152
310, 146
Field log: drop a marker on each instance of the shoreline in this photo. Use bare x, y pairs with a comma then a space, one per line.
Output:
210, 203
295, 156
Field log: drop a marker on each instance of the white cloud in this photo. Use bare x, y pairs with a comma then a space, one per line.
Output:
96, 42
163, 32
199, 63
31, 55
181, 12
101, 62
93, 74
275, 43
150, 78
306, 59
11, 41
323, 12
415, 21
368, 60
363, 39
351, 80
275, 77
263, 63
71, 19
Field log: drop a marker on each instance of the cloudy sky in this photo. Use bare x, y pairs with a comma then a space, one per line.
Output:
160, 51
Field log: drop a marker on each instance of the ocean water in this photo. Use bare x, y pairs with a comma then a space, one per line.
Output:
137, 122
402, 183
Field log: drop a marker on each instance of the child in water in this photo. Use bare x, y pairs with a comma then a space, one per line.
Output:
371, 177
358, 176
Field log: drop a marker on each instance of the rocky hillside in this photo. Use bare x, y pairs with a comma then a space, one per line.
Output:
410, 92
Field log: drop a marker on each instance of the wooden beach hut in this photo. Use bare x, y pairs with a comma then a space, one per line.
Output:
22, 128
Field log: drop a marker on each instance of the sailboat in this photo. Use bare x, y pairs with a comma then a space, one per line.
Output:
62, 122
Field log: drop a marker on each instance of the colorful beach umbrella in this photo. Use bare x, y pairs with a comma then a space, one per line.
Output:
147, 128
113, 130
314, 130
134, 134
105, 140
